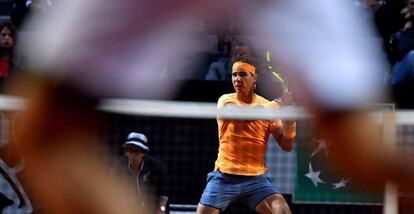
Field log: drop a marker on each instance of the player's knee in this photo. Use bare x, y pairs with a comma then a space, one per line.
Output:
279, 205
274, 204
202, 209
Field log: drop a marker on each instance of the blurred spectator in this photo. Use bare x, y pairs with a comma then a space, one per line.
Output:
369, 5
389, 20
18, 12
221, 69
13, 195
21, 8
9, 57
401, 56
408, 14
369, 8
402, 49
39, 4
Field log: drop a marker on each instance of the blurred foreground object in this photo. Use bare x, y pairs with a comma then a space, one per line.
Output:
58, 136
136, 53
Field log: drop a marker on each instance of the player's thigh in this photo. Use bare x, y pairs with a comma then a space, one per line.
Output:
203, 209
273, 204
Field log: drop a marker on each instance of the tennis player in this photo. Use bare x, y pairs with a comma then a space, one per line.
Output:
240, 170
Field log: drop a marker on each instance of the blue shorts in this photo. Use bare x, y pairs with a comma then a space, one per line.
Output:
222, 189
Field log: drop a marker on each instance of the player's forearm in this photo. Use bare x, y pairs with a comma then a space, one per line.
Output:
287, 139
286, 143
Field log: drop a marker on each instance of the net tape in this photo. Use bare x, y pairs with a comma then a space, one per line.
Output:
199, 110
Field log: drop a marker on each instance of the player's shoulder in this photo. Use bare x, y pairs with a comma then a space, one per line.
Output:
226, 98
261, 100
